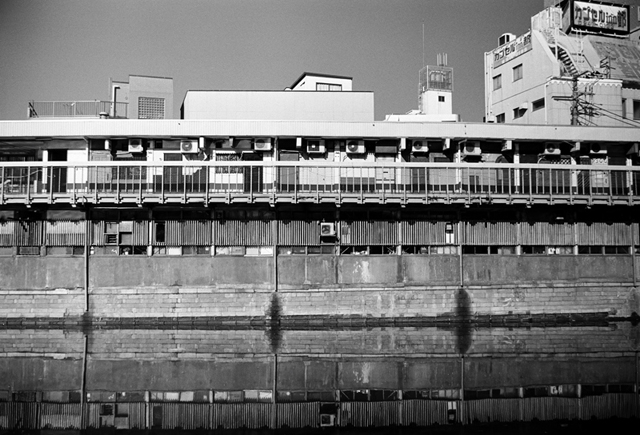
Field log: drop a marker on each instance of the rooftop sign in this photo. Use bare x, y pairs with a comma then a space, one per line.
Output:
597, 17
512, 49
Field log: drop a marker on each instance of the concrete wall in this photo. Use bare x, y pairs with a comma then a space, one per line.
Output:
221, 272
41, 272
190, 344
491, 270
280, 105
379, 286
313, 373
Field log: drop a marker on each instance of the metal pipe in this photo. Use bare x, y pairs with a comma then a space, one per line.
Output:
83, 393
87, 231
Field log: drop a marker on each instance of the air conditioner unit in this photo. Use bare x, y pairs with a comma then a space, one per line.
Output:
262, 144
327, 229
316, 146
327, 420
135, 146
471, 148
551, 149
597, 149
419, 146
189, 146
355, 147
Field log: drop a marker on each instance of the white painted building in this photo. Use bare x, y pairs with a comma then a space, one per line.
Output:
568, 69
317, 97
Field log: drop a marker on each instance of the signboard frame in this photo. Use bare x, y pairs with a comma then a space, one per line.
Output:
600, 9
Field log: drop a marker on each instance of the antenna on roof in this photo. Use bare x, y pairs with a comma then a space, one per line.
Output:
423, 44
442, 59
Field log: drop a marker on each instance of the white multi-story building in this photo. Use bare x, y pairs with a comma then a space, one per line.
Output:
579, 64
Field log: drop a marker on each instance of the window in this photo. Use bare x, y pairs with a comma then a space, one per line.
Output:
497, 82
150, 108
624, 108
636, 109
517, 72
537, 105
500, 118
441, 98
328, 87
518, 112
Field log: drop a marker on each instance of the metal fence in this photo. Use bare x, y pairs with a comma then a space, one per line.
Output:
75, 109
306, 182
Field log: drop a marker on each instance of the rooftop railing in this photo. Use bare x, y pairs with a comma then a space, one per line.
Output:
75, 109
305, 182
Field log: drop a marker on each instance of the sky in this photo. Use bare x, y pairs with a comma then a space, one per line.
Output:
65, 50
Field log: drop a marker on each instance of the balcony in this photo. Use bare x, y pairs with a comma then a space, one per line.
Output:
304, 182
75, 109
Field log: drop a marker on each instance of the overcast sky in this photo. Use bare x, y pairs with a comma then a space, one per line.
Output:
60, 50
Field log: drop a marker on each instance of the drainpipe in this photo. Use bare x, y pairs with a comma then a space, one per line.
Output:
83, 393
112, 113
274, 235
87, 232
274, 393
633, 254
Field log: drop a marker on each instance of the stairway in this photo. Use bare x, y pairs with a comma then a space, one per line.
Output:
567, 62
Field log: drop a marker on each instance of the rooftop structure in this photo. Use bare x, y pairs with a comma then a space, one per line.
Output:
142, 97
312, 97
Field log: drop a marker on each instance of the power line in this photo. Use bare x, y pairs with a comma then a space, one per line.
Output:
615, 116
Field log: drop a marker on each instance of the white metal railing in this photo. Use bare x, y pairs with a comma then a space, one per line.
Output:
75, 109
406, 181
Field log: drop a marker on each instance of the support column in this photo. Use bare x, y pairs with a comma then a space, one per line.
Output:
87, 247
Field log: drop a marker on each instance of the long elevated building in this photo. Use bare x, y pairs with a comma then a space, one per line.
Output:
320, 213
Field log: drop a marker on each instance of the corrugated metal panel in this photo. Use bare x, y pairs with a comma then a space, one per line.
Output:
140, 233
28, 233
426, 232
92, 415
136, 415
236, 415
7, 233
365, 414
65, 233
15, 415
369, 233
172, 233
298, 415
490, 233
636, 233
244, 128
550, 408
187, 416
601, 233
196, 233
487, 410
609, 405
59, 416
424, 412
545, 233
297, 233
238, 233
97, 233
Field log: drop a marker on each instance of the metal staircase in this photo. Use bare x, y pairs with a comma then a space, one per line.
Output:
567, 62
